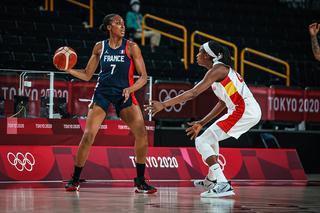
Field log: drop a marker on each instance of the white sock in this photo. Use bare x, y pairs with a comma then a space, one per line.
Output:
217, 173
211, 175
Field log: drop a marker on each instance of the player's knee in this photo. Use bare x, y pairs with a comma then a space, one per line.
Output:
140, 131
141, 145
88, 138
203, 147
200, 144
144, 138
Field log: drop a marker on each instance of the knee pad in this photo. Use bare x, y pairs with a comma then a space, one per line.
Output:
203, 146
217, 135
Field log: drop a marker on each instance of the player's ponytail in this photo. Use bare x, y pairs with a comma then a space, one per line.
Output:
226, 59
106, 21
221, 52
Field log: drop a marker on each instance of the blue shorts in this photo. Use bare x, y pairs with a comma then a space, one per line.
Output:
103, 100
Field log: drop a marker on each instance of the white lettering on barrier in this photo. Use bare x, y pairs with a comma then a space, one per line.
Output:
8, 93
123, 127
153, 163
151, 128
282, 107
44, 126
4, 93
12, 93
104, 126
289, 104
132, 160
71, 126
158, 162
15, 126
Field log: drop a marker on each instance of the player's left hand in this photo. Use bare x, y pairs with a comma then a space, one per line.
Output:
154, 107
194, 130
126, 93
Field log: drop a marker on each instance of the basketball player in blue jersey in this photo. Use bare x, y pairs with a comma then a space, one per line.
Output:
118, 59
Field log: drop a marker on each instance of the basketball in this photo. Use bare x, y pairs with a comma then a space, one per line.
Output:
65, 58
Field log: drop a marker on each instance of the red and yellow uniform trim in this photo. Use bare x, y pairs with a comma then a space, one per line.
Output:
237, 100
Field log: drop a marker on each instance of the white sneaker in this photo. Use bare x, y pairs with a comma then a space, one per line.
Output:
206, 183
221, 189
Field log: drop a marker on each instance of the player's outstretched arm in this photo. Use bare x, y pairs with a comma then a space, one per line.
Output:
87, 73
313, 30
214, 74
211, 76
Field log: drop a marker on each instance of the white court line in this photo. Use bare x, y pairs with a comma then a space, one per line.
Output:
119, 181
86, 181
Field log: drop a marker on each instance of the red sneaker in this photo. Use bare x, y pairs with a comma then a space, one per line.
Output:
143, 187
72, 185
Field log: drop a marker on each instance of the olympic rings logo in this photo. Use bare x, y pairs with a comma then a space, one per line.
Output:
165, 95
222, 161
21, 162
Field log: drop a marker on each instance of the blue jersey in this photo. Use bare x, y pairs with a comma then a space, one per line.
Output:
116, 69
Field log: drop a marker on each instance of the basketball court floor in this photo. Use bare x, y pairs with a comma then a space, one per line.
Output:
101, 197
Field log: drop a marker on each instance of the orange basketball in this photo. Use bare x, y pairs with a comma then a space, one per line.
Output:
65, 58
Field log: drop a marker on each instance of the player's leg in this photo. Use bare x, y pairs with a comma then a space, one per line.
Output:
133, 117
208, 146
96, 115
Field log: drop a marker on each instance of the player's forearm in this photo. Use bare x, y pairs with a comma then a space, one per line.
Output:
80, 73
315, 47
219, 107
186, 96
139, 83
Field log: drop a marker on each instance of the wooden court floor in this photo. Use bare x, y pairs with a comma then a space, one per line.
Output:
167, 199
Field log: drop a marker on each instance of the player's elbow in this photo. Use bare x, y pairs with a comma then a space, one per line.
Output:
87, 76
144, 79
317, 56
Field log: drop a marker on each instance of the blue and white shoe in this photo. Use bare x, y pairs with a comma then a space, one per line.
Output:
221, 189
205, 183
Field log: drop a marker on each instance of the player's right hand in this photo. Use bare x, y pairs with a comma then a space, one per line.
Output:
314, 29
154, 107
194, 130
61, 69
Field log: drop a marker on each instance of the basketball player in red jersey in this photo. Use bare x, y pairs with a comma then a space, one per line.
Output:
118, 58
243, 112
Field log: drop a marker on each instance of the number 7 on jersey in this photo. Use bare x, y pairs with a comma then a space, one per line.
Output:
113, 67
